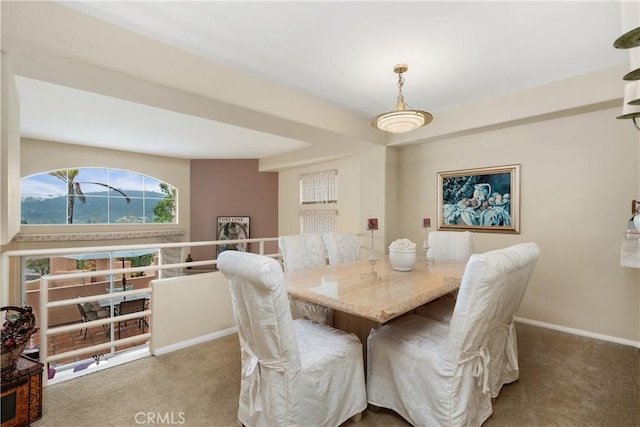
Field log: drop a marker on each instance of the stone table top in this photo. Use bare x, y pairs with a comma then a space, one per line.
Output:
342, 287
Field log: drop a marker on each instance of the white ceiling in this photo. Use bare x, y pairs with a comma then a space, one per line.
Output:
52, 112
342, 53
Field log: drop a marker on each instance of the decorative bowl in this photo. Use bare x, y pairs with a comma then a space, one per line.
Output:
18, 326
402, 259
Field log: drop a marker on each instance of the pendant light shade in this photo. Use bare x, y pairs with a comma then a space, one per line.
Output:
632, 93
631, 103
628, 40
401, 119
630, 106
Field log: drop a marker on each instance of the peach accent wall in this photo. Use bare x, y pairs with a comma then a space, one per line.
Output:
232, 188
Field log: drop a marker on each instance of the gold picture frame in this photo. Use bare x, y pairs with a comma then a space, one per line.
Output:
480, 200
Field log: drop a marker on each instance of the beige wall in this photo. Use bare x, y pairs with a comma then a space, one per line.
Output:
366, 189
189, 309
9, 154
39, 156
578, 176
348, 206
378, 173
232, 188
42, 156
9, 171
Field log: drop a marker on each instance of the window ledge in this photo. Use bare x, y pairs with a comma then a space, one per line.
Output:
108, 235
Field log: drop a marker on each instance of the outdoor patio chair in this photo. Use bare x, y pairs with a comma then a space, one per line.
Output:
129, 307
90, 311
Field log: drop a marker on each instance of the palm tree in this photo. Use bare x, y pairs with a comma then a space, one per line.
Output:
75, 191
165, 210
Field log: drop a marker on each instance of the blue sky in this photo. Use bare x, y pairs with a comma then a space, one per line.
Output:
44, 185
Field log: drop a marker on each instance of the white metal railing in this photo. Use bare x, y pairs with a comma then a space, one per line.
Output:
45, 304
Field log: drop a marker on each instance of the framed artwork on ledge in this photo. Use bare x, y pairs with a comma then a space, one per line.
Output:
232, 228
480, 200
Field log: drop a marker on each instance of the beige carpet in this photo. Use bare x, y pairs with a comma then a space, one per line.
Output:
565, 380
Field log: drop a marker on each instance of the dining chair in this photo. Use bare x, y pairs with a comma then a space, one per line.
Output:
433, 373
91, 311
440, 309
301, 252
503, 341
294, 372
342, 247
446, 245
450, 245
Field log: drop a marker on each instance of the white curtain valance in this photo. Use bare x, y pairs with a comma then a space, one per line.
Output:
318, 187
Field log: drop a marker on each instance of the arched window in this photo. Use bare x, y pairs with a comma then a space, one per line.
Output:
96, 196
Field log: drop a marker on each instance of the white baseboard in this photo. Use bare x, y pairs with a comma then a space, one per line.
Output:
222, 333
194, 341
66, 372
580, 332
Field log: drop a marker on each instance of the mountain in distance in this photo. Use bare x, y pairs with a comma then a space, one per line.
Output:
54, 210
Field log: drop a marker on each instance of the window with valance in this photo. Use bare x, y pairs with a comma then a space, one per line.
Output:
318, 188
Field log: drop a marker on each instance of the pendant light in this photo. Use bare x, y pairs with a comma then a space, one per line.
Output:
400, 119
631, 103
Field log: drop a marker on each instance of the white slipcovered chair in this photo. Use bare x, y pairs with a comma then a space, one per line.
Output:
503, 341
301, 252
437, 374
446, 245
450, 245
294, 372
342, 247
440, 309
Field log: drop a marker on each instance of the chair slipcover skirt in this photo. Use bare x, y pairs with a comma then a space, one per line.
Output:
294, 373
503, 343
405, 373
438, 374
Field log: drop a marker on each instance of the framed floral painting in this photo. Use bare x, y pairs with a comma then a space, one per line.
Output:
484, 200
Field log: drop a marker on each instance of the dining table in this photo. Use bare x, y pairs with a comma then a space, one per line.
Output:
116, 300
366, 294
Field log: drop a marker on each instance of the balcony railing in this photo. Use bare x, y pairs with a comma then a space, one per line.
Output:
172, 297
